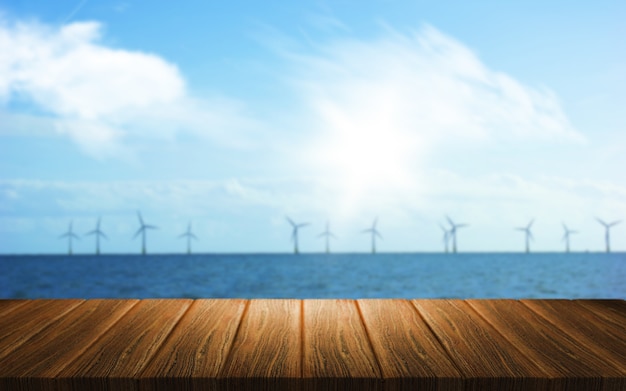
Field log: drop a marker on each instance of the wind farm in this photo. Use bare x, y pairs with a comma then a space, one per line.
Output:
69, 235
294, 233
452, 232
327, 235
448, 230
143, 228
607, 232
189, 235
374, 232
566, 234
98, 233
527, 234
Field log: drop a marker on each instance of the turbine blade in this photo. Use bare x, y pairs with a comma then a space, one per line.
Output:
615, 223
290, 221
530, 224
138, 232
450, 220
602, 222
140, 219
103, 235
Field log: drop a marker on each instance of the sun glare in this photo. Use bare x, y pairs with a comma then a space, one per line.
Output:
367, 161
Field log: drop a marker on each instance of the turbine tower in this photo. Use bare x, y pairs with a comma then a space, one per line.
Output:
294, 234
98, 233
69, 235
566, 235
446, 237
328, 235
452, 232
607, 229
142, 230
189, 235
529, 235
374, 233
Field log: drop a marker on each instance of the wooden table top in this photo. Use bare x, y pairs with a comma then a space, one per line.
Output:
259, 344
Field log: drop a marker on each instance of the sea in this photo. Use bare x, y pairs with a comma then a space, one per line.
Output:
385, 275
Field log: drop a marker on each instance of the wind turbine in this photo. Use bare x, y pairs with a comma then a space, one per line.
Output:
328, 235
446, 237
452, 232
98, 233
142, 230
189, 236
529, 235
374, 233
607, 228
566, 235
294, 233
69, 235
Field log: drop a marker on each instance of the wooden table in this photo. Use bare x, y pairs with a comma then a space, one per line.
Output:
216, 344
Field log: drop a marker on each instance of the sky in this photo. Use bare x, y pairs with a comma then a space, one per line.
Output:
231, 116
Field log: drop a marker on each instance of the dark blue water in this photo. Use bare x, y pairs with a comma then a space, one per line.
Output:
550, 275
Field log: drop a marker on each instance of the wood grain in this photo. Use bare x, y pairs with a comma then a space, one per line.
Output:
27, 319
266, 352
612, 312
486, 359
7, 305
586, 328
222, 344
117, 358
196, 350
410, 356
580, 368
34, 364
337, 353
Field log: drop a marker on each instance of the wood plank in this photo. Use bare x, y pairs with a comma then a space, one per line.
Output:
27, 319
117, 358
196, 350
7, 305
486, 359
612, 312
34, 364
580, 368
409, 354
266, 352
337, 354
585, 327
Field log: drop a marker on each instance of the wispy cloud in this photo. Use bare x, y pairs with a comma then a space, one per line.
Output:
102, 96
383, 112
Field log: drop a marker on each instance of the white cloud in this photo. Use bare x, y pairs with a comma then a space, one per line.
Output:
437, 88
99, 95
383, 114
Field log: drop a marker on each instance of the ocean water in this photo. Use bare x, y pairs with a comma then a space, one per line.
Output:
472, 275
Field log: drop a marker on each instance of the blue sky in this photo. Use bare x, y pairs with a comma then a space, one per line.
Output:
234, 115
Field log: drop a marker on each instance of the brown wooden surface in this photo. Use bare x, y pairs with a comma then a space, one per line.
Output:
267, 348
337, 354
313, 344
581, 367
409, 354
195, 352
35, 364
484, 357
117, 358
